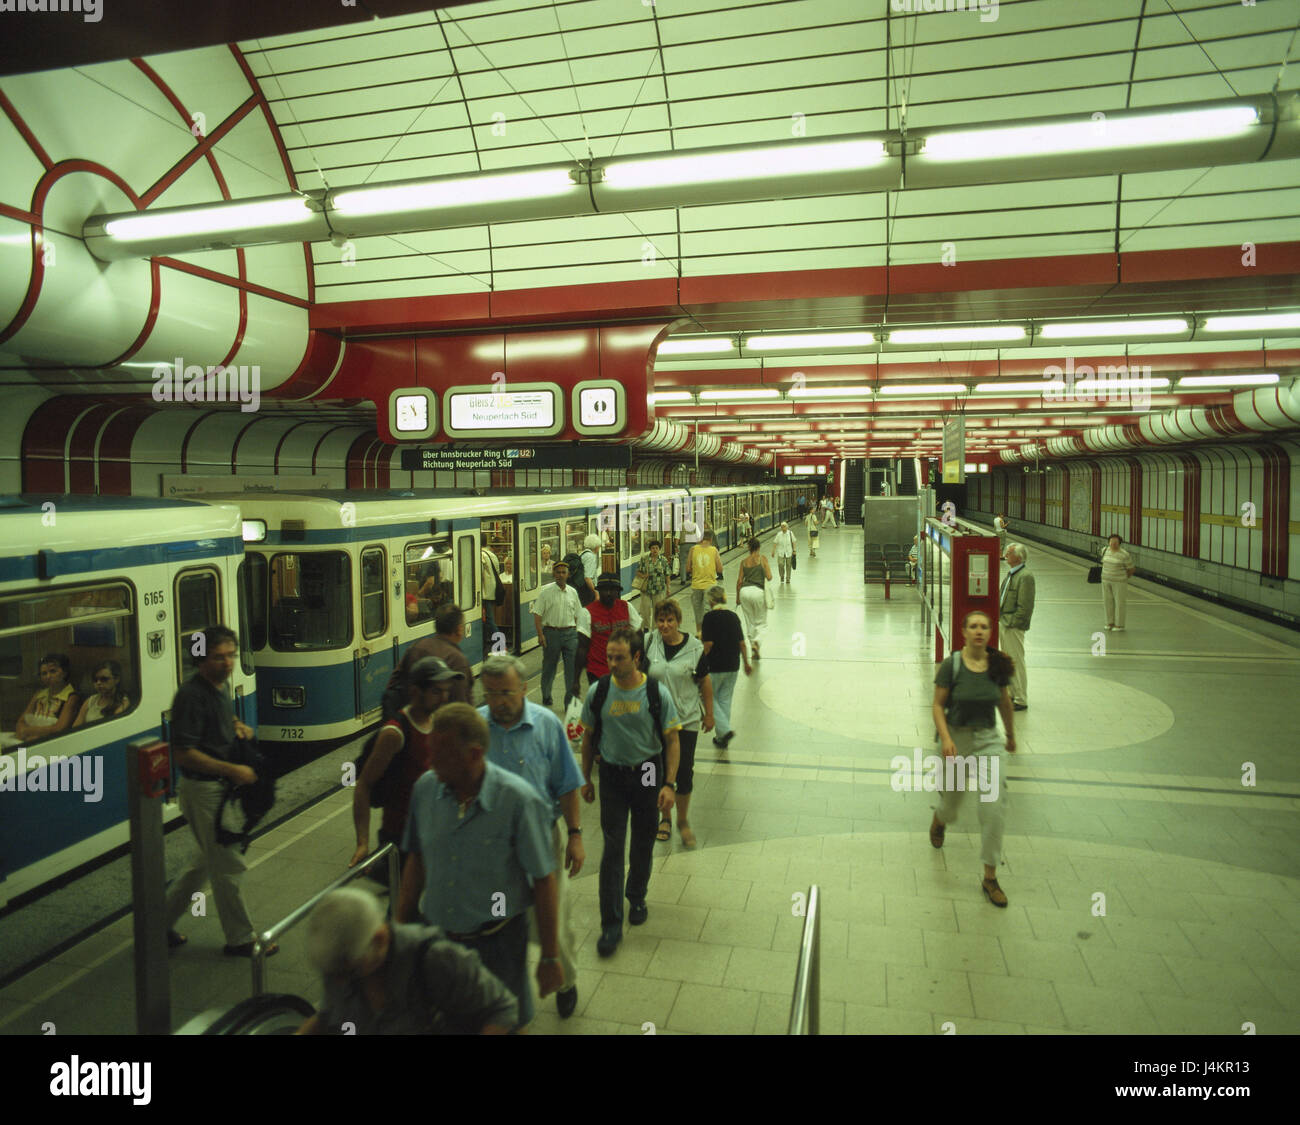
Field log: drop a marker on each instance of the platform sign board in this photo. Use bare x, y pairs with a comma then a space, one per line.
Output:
954, 450
462, 458
515, 409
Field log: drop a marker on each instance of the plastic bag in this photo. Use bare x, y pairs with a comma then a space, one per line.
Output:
771, 597
573, 727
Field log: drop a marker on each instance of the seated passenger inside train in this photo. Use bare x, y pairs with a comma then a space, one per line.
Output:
51, 710
110, 696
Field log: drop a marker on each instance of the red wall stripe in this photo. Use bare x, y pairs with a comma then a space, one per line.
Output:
115, 449
1134, 500
1095, 496
24, 131
1191, 505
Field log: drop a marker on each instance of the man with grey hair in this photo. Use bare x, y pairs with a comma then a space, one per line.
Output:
479, 857
531, 742
383, 979
1015, 610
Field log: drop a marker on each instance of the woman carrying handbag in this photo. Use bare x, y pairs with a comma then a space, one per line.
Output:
752, 592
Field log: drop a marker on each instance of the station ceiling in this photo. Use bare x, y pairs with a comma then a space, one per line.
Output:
469, 88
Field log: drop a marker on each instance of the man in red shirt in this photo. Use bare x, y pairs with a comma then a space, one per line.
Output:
607, 612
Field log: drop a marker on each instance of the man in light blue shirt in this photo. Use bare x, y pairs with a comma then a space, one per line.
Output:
636, 780
530, 741
479, 850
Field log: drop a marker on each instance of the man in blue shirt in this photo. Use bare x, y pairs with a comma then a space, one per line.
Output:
479, 849
529, 741
635, 780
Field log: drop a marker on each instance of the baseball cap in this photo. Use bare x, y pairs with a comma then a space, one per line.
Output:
608, 579
430, 669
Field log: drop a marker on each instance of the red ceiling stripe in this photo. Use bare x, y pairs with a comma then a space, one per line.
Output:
25, 131
234, 282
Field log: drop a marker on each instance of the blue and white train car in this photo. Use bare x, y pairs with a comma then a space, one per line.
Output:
95, 580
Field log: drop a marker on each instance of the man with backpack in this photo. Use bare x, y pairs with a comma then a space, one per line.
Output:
449, 626
631, 721
396, 756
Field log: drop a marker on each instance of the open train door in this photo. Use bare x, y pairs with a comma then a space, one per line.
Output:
499, 537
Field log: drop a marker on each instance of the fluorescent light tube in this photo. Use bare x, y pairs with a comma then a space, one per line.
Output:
1120, 384
811, 340
1115, 328
508, 187
1009, 387
221, 217
931, 389
701, 346
1227, 380
830, 392
671, 396
752, 392
1103, 134
684, 169
991, 333
1251, 323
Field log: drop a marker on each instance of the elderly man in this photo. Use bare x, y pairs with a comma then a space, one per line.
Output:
556, 613
385, 979
1015, 610
530, 741
480, 856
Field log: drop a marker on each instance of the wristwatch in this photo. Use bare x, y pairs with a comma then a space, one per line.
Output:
671, 785
575, 831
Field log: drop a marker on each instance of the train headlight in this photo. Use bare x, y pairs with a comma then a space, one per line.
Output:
288, 696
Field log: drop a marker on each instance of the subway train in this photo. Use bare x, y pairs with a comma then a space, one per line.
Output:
326, 590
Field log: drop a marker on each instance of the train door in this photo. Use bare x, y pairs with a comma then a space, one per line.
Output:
376, 656
528, 581
469, 566
500, 613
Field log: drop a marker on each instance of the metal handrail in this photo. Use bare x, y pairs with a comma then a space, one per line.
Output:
804, 1010
263, 941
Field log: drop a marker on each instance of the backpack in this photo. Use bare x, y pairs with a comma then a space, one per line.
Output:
578, 578
381, 793
652, 697
254, 801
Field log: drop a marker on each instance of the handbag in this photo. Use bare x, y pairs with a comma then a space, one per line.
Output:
1094, 574
794, 562
640, 581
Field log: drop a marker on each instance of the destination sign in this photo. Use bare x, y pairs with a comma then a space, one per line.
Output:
442, 458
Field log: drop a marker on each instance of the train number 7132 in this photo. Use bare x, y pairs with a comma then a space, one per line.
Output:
289, 733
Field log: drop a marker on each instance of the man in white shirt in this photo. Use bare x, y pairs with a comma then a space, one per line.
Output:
491, 584
555, 614
691, 534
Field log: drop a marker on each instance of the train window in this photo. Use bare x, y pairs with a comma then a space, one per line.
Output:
428, 581
467, 570
198, 605
550, 551
311, 601
637, 520
374, 605
92, 634
529, 576
575, 534
245, 621
252, 612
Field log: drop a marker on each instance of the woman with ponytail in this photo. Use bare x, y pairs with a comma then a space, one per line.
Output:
972, 686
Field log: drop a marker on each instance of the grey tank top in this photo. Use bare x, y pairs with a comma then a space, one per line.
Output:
753, 576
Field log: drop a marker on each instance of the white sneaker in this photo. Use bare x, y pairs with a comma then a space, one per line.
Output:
1119, 628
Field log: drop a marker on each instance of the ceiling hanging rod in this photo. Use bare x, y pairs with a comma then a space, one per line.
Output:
1162, 138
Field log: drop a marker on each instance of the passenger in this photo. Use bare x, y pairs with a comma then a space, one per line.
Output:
51, 710
590, 563
1015, 611
724, 645
383, 979
203, 733
746, 524
449, 626
1116, 570
547, 567
658, 572
1000, 526
751, 593
530, 741
813, 524
691, 536
479, 847
784, 549
677, 661
828, 511
555, 616
912, 560
628, 743
430, 684
604, 615
705, 570
981, 688
109, 698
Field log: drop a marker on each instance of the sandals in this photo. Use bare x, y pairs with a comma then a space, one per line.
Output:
993, 893
688, 837
936, 832
665, 832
